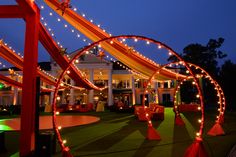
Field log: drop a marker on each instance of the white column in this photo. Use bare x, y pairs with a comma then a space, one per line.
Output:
15, 96
156, 92
133, 90
72, 93
110, 96
169, 83
91, 92
51, 97
54, 72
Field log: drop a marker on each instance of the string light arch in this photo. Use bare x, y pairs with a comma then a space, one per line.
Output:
65, 149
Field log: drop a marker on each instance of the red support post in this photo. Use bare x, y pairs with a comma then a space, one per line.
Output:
27, 136
11, 11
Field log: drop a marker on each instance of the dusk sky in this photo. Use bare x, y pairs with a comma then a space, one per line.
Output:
176, 23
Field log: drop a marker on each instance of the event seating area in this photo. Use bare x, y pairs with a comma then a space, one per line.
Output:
155, 111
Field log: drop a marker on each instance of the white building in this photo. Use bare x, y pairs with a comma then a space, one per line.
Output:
122, 85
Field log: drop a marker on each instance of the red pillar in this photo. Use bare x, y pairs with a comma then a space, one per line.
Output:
27, 136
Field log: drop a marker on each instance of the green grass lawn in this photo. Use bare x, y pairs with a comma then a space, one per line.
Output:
121, 134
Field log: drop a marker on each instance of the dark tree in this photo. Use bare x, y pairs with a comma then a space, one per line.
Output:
227, 81
205, 56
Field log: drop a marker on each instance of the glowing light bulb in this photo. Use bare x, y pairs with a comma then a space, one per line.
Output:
64, 141
159, 46
58, 20
75, 9
66, 25
76, 61
135, 39
78, 35
111, 42
199, 108
198, 134
50, 13
42, 7
59, 127
68, 72
148, 42
58, 98
199, 120
197, 95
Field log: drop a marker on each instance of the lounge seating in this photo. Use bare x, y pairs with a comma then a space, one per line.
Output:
71, 108
158, 111
155, 111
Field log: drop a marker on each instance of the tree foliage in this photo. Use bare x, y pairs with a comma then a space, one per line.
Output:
204, 55
227, 80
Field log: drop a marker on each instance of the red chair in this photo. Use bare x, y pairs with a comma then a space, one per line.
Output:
141, 112
90, 106
157, 111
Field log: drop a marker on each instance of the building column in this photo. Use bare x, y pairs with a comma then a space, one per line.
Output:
51, 98
169, 84
156, 92
91, 92
72, 93
15, 96
133, 91
110, 95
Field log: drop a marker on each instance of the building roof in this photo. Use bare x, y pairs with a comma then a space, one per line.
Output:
43, 65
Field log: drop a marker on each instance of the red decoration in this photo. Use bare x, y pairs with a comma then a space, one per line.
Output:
66, 152
101, 54
196, 149
179, 120
216, 130
221, 119
152, 134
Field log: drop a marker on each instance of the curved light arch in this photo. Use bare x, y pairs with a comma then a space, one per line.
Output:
109, 39
220, 93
